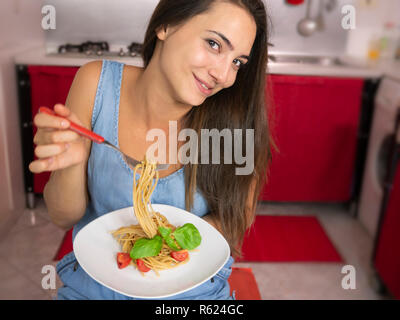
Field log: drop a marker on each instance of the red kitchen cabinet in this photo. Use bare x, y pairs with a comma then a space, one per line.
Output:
387, 244
49, 85
314, 121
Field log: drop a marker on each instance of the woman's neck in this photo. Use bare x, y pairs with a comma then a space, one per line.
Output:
153, 100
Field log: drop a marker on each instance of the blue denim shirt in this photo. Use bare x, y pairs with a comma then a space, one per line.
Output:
110, 184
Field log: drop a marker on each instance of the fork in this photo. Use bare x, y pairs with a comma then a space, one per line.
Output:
98, 139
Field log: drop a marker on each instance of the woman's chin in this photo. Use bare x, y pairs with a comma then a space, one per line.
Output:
193, 97
198, 103
195, 100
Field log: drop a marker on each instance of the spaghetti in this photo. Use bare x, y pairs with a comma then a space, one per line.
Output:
150, 224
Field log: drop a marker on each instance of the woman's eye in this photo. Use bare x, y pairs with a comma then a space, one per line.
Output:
212, 44
238, 63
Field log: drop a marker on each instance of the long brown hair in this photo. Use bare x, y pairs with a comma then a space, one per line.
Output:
244, 107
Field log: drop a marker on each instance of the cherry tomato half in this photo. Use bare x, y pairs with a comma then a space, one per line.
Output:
181, 255
123, 259
141, 266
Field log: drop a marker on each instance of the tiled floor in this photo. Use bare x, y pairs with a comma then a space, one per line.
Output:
33, 241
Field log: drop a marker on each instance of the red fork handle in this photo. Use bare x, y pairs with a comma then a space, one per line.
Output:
74, 127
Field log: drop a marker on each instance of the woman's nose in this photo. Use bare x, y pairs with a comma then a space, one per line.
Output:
220, 72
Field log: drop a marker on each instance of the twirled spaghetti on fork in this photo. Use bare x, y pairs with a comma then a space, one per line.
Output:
149, 225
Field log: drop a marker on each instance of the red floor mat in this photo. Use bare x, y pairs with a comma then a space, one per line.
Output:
65, 246
244, 284
288, 239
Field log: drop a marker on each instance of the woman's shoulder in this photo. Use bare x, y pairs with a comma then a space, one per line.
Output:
82, 94
131, 73
89, 74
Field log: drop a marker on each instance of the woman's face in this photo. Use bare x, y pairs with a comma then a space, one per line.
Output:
208, 49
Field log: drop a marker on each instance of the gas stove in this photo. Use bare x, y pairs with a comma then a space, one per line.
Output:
97, 49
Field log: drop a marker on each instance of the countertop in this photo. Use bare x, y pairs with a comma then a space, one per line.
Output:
38, 56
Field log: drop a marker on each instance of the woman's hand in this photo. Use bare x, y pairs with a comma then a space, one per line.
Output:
56, 146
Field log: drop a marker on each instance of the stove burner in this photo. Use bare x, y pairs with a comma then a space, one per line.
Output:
101, 48
134, 49
88, 48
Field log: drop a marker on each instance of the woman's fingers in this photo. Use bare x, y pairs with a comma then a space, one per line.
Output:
44, 120
56, 157
57, 146
39, 166
62, 110
49, 150
49, 157
43, 137
60, 120
65, 112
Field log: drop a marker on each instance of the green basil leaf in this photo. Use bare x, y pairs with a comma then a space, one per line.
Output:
187, 236
165, 233
146, 248
171, 243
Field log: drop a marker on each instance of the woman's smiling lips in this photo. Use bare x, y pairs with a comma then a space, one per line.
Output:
200, 84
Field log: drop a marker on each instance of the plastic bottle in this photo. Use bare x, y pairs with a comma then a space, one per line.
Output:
374, 48
388, 41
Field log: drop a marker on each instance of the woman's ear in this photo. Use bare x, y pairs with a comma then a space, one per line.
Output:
161, 32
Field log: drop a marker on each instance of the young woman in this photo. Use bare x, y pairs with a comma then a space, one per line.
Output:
204, 67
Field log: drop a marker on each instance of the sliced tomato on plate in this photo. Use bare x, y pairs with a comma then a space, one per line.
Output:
141, 266
181, 255
123, 259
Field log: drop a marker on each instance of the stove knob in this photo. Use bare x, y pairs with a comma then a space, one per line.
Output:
99, 52
121, 52
88, 52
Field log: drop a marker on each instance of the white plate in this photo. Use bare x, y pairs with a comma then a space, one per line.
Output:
96, 251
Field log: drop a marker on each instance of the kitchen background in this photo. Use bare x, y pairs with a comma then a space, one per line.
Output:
348, 78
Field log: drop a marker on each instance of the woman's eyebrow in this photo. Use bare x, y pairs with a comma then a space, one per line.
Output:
227, 42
